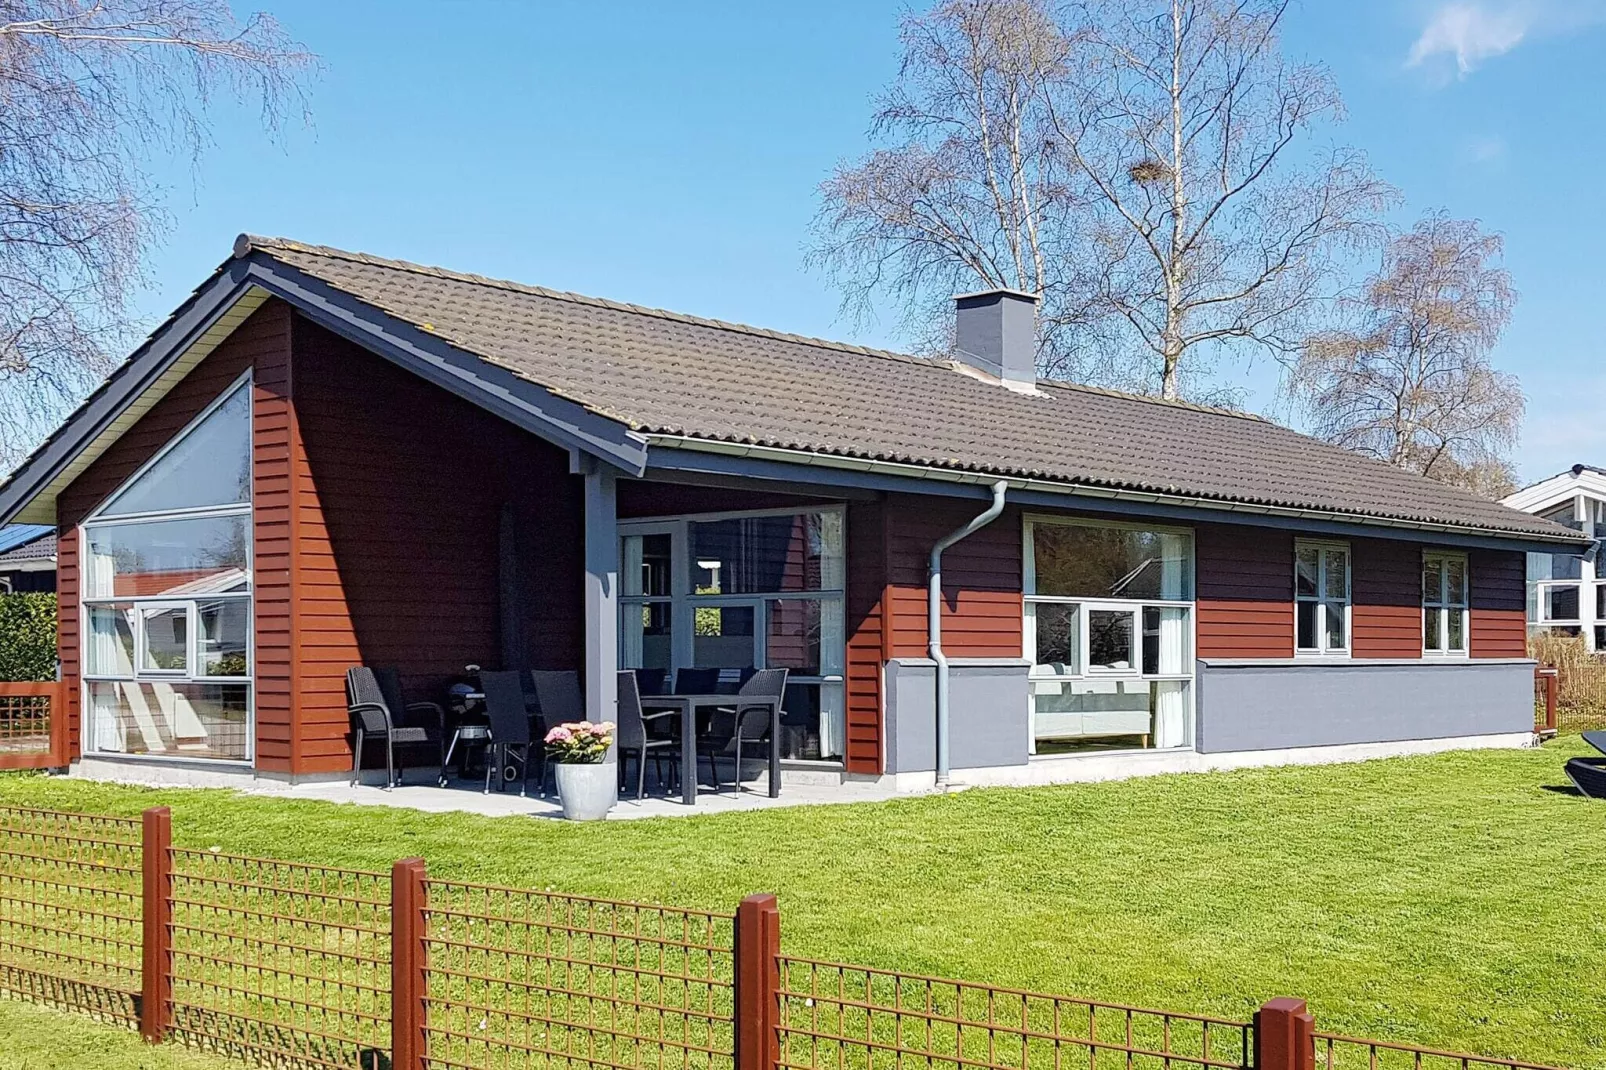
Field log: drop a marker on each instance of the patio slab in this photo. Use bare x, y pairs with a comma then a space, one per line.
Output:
806, 790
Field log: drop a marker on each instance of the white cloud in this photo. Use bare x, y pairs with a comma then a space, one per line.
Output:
1471, 33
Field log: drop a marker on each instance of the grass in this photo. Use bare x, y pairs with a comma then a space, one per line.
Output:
1450, 900
38, 1038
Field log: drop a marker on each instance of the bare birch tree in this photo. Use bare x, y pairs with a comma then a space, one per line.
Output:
1409, 380
967, 190
1164, 185
91, 91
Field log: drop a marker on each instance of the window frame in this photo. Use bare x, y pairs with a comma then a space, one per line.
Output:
1323, 602
1444, 606
1084, 672
684, 601
191, 602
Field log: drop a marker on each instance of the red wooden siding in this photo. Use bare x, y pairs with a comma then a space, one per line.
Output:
866, 634
261, 342
1245, 581
1386, 598
274, 439
982, 606
1499, 626
402, 488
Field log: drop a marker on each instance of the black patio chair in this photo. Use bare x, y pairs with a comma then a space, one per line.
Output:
558, 698
1596, 740
430, 716
1588, 776
631, 734
652, 681
509, 714
689, 681
745, 723
373, 718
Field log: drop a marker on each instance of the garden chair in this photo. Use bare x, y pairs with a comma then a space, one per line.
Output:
745, 723
632, 738
558, 698
511, 740
1588, 776
373, 718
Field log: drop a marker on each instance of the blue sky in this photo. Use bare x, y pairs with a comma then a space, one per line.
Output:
667, 154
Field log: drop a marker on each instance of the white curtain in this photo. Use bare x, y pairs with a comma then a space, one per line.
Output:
630, 652
1173, 562
1170, 703
833, 710
832, 564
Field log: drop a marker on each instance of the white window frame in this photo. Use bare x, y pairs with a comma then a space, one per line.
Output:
97, 519
1444, 607
1322, 601
1083, 669
684, 603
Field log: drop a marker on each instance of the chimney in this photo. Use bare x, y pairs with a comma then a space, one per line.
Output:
996, 332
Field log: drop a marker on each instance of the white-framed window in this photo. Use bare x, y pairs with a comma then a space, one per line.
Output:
166, 598
1444, 604
1321, 599
754, 589
1109, 632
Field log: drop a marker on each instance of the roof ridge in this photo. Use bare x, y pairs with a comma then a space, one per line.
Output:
1177, 403
246, 242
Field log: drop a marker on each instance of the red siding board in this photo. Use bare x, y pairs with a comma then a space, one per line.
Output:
1386, 598
1499, 626
1245, 580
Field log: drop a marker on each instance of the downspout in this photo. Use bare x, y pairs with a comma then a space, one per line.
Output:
934, 618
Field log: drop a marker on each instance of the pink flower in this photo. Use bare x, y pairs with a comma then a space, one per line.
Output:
560, 734
605, 728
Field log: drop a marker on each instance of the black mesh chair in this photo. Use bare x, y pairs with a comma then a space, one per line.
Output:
632, 738
430, 716
652, 681
373, 718
509, 752
1588, 776
696, 682
557, 698
1596, 740
746, 723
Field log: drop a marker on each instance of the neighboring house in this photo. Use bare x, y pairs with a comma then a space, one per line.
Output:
27, 558
1567, 589
324, 458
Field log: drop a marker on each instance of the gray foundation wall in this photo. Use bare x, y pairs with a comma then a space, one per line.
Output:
1273, 704
987, 721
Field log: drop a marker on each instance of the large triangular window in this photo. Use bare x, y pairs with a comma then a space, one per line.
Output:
210, 465
164, 571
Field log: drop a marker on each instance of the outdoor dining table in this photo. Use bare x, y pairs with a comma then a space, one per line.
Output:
688, 705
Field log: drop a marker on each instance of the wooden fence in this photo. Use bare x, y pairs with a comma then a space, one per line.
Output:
291, 965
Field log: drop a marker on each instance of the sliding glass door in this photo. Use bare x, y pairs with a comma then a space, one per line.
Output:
735, 591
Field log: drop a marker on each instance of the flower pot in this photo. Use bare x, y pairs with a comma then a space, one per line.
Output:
587, 791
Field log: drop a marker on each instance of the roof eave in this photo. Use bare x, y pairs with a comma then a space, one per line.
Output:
1237, 510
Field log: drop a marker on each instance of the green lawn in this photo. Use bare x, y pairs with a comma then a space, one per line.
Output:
1452, 900
37, 1038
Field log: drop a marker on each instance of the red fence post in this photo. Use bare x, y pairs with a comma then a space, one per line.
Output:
758, 983
1285, 1036
1552, 695
156, 957
408, 964
59, 747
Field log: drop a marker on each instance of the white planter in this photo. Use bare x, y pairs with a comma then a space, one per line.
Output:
587, 791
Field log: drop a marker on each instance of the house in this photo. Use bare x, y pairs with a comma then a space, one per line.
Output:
326, 458
27, 558
1567, 589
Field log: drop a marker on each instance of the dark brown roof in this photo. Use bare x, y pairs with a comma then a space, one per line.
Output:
666, 373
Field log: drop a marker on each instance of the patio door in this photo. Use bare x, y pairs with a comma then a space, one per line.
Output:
761, 589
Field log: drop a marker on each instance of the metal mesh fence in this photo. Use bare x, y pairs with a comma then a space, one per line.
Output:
70, 910
1335, 1052
855, 1018
280, 962
519, 977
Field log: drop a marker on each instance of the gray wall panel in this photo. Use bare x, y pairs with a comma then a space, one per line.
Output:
1276, 704
986, 714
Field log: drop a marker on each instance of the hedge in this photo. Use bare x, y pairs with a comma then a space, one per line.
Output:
27, 636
